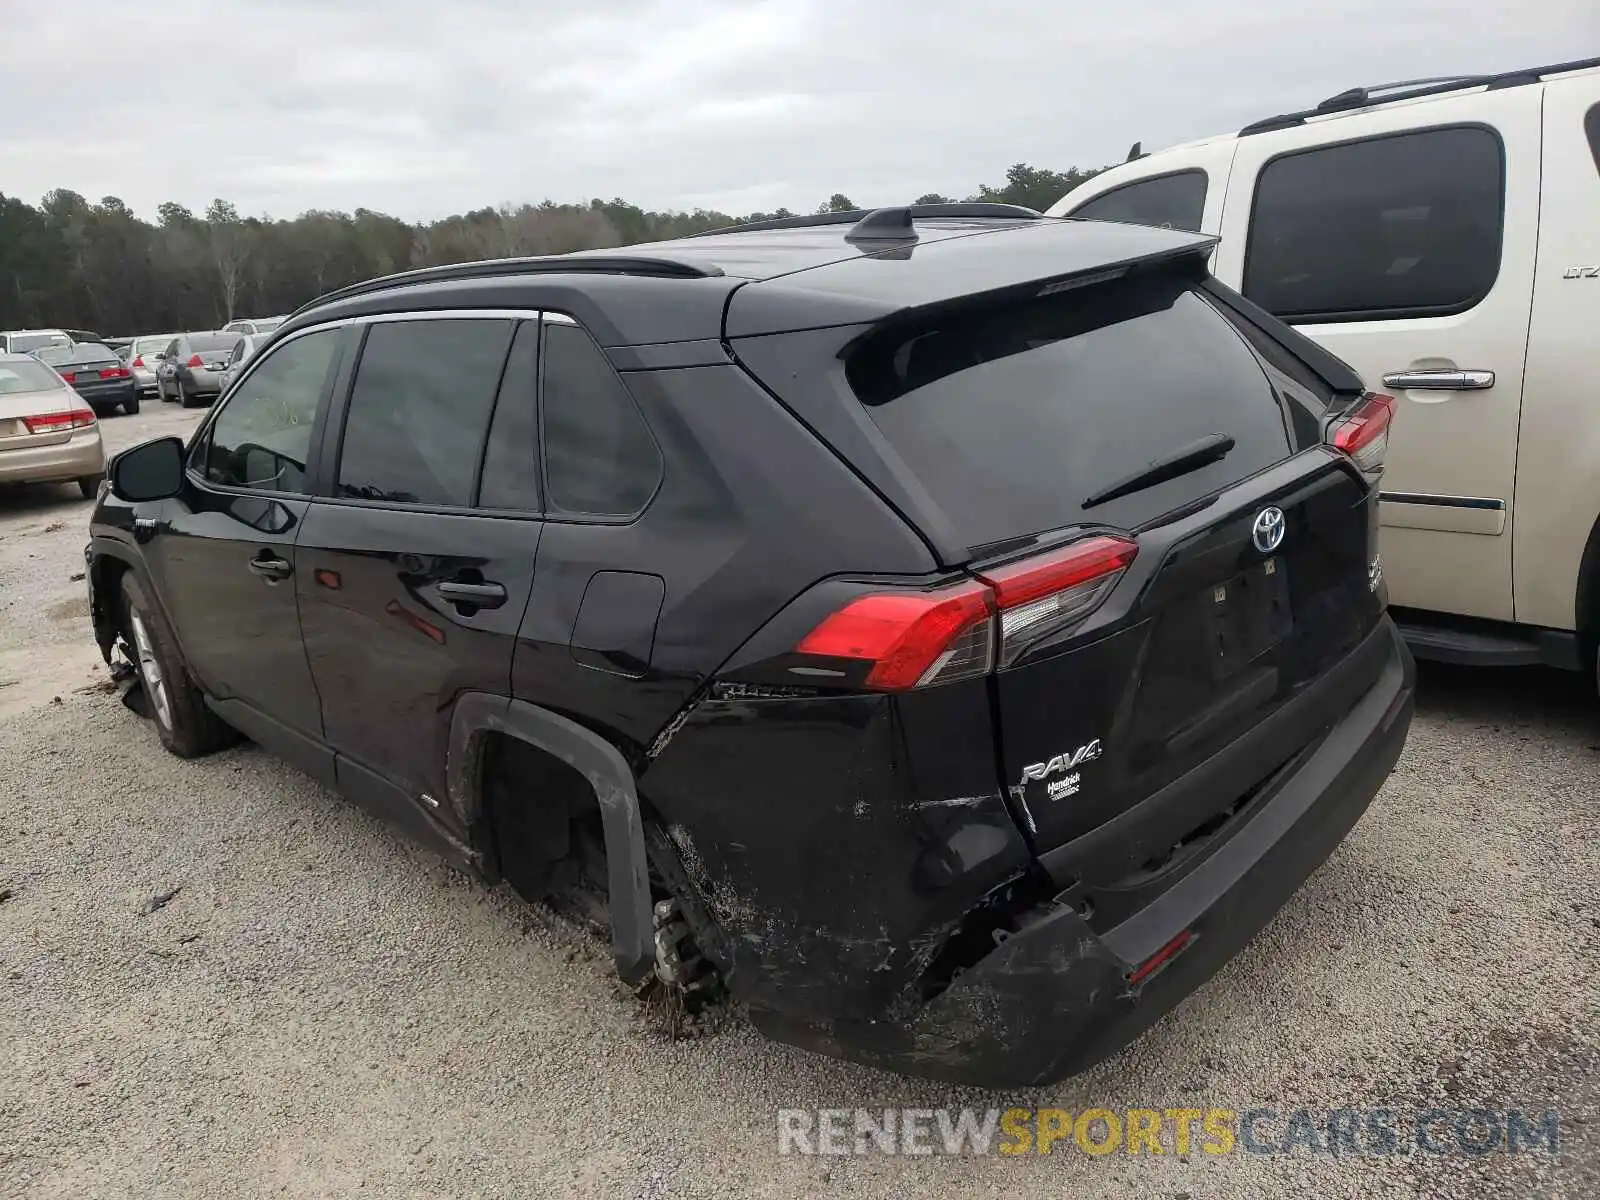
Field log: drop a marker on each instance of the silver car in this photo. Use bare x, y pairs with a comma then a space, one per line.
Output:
255, 325
192, 366
249, 343
48, 433
144, 356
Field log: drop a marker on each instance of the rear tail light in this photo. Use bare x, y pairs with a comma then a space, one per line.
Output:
194, 361
1363, 432
69, 376
914, 639
115, 373
139, 362
77, 418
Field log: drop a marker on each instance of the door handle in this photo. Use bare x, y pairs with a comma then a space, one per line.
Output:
482, 595
271, 567
1439, 380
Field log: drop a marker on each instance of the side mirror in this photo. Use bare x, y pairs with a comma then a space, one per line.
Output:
153, 471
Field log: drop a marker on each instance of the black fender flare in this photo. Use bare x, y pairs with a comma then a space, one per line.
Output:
478, 714
101, 550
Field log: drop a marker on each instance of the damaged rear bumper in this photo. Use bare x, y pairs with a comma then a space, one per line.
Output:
1055, 997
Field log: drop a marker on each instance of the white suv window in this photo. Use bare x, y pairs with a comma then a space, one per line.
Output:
1403, 225
1174, 201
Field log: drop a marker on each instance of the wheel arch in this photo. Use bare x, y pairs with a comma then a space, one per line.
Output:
477, 716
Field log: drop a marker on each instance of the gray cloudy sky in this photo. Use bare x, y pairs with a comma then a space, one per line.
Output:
423, 107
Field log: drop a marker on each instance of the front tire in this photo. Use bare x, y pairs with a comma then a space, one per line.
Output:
185, 725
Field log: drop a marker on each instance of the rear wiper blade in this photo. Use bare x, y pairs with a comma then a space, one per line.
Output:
1207, 450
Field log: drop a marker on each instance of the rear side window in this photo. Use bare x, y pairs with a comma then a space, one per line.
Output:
1401, 226
511, 458
600, 459
420, 408
1174, 201
1013, 416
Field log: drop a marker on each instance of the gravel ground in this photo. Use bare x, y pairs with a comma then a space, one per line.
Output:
318, 1007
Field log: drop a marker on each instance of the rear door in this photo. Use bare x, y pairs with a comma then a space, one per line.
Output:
1403, 240
416, 564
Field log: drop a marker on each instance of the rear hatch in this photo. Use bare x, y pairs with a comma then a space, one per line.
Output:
1144, 485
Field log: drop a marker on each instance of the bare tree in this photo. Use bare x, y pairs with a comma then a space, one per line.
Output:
230, 240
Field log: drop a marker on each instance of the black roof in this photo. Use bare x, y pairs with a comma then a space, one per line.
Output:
806, 272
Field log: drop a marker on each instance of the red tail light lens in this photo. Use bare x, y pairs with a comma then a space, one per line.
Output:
1363, 432
139, 361
77, 418
69, 376
915, 639
115, 373
194, 361
910, 638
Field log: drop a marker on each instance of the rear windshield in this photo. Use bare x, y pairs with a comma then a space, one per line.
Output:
23, 342
80, 352
212, 341
1012, 416
54, 355
26, 377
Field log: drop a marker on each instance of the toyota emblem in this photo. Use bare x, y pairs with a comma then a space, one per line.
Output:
1267, 532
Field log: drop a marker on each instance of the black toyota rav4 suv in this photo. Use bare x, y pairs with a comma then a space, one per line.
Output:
954, 632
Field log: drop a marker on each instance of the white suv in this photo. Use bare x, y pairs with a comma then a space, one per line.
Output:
1443, 237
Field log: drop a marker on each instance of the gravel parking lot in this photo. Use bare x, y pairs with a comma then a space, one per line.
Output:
218, 978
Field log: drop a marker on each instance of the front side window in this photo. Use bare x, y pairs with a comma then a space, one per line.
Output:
600, 459
1400, 226
1174, 201
420, 409
262, 437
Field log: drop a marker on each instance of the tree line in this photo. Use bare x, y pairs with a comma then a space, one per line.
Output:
71, 263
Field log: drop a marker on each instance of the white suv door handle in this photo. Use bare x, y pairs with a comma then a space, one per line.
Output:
1439, 380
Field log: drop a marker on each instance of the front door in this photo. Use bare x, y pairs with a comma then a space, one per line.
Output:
226, 556
1408, 250
416, 565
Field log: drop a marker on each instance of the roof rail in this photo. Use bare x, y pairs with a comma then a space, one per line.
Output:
1412, 89
958, 209
583, 261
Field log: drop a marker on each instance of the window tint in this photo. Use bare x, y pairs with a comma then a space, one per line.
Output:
1174, 201
600, 459
511, 459
420, 408
262, 436
204, 342
1394, 226
1013, 415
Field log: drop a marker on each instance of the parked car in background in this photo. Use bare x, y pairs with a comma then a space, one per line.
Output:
48, 433
253, 325
20, 341
144, 356
96, 373
1444, 239
119, 344
84, 335
241, 355
191, 370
